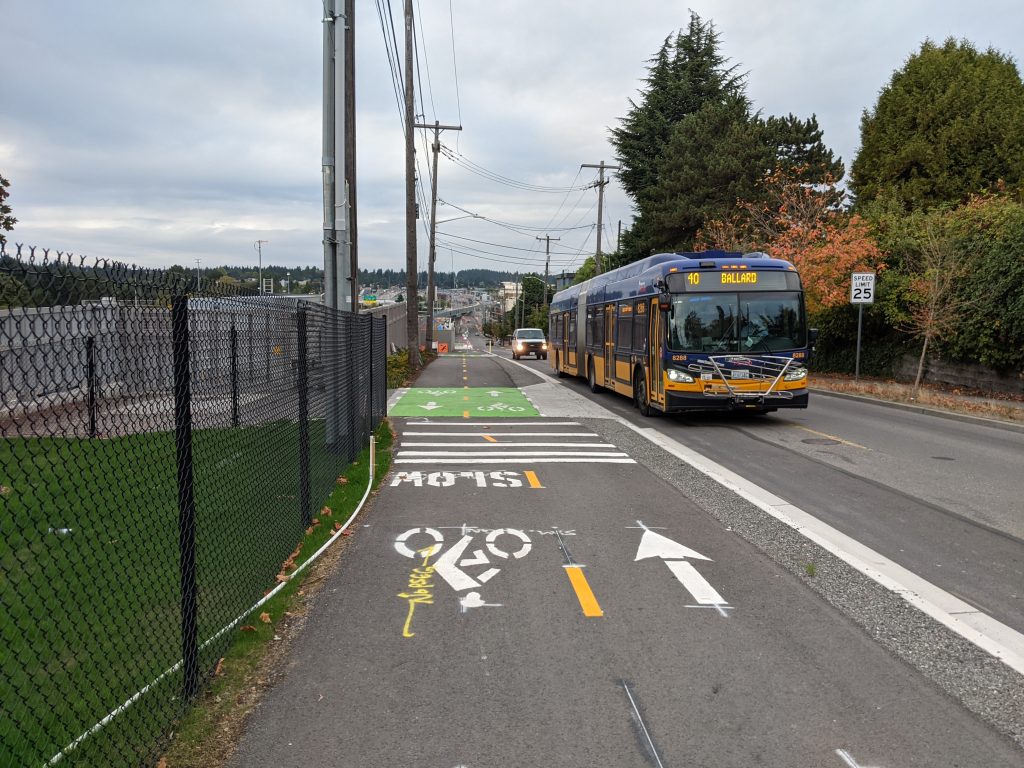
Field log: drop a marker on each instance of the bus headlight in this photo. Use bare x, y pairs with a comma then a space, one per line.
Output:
680, 376
796, 374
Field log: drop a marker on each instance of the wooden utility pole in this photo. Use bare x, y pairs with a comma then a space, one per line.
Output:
600, 207
436, 147
547, 260
412, 301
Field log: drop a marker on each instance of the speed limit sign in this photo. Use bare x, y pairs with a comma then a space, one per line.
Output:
862, 288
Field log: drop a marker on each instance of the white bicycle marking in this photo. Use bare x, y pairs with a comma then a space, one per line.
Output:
433, 549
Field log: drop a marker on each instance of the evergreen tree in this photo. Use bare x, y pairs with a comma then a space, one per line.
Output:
684, 75
949, 123
693, 146
7, 221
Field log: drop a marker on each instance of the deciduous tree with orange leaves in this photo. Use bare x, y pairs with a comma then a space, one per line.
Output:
807, 225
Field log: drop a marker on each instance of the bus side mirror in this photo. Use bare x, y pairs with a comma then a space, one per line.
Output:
812, 337
664, 302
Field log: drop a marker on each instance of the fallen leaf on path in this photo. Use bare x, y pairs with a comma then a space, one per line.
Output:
248, 628
265, 617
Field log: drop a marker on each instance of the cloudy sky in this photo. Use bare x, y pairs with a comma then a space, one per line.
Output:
161, 133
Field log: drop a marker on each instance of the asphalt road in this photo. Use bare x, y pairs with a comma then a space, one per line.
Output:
942, 497
557, 591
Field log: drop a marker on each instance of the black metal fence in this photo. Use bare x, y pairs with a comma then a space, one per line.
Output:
163, 446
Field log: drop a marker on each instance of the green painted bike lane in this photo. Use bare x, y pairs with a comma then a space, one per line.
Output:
465, 402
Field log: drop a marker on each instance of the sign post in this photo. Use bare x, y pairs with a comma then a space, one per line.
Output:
862, 291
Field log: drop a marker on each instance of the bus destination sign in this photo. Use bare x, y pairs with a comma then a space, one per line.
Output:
733, 280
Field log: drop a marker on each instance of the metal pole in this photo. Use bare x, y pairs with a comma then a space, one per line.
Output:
860, 316
305, 510
90, 376
259, 250
234, 375
412, 303
350, 147
186, 496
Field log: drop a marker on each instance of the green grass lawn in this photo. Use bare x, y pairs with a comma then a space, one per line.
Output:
91, 616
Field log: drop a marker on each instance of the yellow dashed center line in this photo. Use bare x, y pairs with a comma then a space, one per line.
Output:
489, 439
583, 592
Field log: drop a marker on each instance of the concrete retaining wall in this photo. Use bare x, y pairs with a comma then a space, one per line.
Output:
960, 375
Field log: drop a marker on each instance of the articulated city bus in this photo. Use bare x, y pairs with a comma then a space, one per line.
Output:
681, 332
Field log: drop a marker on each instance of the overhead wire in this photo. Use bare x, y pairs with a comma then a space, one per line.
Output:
455, 66
467, 164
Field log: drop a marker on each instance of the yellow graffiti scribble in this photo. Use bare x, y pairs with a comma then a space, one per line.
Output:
420, 589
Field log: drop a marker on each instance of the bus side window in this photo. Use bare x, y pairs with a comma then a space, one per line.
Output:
640, 327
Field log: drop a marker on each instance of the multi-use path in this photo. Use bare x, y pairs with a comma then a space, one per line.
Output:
527, 590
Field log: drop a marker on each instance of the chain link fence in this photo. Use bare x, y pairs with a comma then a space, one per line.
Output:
163, 447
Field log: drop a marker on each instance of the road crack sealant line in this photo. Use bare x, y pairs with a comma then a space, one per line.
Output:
227, 628
988, 634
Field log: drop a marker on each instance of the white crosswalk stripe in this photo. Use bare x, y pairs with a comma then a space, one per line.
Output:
508, 443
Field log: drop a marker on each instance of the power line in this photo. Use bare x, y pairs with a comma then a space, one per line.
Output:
464, 162
509, 247
521, 228
455, 65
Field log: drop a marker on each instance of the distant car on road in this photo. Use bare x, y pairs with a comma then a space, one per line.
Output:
529, 341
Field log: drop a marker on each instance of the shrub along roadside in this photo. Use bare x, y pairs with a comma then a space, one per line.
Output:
207, 733
399, 372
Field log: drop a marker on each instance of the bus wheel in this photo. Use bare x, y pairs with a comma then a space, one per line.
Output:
640, 395
591, 378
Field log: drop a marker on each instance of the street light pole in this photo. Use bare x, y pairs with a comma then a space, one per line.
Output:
259, 249
197, 275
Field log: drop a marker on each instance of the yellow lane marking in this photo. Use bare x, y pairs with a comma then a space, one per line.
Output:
583, 592
465, 414
489, 439
465, 397
531, 476
833, 437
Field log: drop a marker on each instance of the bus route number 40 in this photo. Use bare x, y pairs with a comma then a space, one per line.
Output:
862, 288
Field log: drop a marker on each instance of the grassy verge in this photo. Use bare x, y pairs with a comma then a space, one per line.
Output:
987, 405
208, 732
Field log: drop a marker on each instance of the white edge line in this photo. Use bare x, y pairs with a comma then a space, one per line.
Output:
992, 636
142, 692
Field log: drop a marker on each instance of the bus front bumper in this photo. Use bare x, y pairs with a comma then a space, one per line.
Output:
683, 402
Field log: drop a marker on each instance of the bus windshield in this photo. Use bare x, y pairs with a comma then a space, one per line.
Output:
722, 323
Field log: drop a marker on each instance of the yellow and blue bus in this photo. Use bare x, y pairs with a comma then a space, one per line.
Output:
679, 332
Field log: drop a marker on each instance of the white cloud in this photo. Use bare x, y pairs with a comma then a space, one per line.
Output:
150, 133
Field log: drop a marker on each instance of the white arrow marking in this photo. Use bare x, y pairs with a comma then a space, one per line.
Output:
445, 567
479, 558
430, 406
473, 600
848, 759
703, 593
492, 393
655, 545
486, 575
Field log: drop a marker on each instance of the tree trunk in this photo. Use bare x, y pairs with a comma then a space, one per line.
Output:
920, 366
